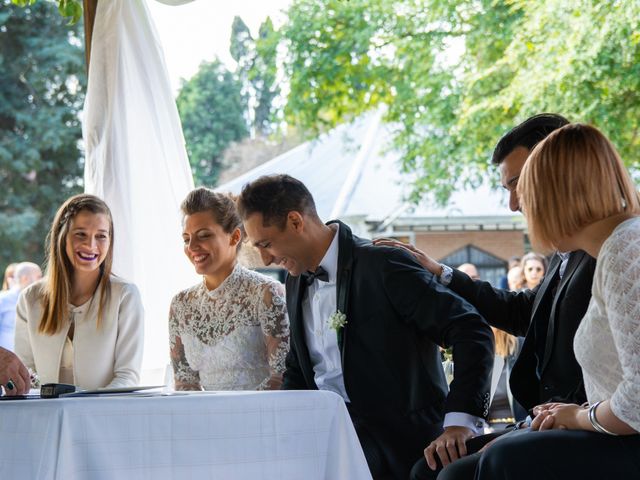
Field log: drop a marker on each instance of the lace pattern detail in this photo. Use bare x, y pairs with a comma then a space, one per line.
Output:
607, 343
235, 337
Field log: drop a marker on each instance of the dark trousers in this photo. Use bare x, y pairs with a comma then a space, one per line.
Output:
559, 455
391, 447
463, 468
552, 454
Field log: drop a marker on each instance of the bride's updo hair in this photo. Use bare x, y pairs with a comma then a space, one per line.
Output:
221, 205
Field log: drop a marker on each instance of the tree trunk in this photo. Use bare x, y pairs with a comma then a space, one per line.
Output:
90, 7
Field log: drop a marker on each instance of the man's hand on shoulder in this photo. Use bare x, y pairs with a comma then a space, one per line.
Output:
449, 447
425, 260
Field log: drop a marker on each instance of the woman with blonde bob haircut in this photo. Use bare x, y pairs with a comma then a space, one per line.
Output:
577, 194
81, 324
576, 179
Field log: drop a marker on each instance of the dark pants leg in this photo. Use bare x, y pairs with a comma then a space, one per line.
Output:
462, 469
391, 447
373, 451
559, 455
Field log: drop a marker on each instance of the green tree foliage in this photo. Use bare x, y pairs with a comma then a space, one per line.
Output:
257, 68
454, 76
212, 108
263, 77
42, 90
72, 9
241, 45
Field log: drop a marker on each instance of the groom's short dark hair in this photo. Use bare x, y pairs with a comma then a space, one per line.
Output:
274, 196
527, 134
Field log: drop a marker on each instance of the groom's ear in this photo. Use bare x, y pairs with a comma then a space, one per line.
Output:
296, 221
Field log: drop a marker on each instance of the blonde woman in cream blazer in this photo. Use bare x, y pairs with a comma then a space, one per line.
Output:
109, 356
80, 324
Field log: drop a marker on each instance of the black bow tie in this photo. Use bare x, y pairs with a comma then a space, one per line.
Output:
320, 274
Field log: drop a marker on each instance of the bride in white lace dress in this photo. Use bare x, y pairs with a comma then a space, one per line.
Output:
231, 331
577, 195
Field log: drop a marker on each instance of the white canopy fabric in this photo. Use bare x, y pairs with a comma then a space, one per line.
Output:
136, 161
174, 2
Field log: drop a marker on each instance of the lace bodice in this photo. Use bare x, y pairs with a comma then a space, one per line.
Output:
607, 343
235, 337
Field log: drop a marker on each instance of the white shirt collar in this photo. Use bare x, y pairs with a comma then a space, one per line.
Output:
330, 260
564, 260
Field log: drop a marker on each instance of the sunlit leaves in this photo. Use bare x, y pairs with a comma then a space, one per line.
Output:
71, 9
456, 75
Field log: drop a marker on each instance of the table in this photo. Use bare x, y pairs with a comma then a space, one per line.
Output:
221, 435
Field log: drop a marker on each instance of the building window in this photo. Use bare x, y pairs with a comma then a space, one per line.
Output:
490, 268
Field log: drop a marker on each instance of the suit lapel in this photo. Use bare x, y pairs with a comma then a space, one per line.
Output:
343, 280
574, 260
296, 289
545, 288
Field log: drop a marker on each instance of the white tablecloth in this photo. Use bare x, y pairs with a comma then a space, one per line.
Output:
226, 435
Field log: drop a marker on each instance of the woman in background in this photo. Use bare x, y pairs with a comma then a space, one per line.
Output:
577, 195
534, 266
81, 324
230, 331
7, 280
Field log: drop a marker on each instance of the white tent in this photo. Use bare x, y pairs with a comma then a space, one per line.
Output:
136, 161
355, 176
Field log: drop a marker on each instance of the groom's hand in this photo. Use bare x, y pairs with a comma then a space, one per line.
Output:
449, 447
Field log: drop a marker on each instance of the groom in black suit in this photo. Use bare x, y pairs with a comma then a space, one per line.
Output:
366, 323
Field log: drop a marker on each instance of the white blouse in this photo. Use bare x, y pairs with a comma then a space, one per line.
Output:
234, 337
607, 343
105, 356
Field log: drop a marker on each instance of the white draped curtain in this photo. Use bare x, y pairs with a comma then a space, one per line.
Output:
136, 161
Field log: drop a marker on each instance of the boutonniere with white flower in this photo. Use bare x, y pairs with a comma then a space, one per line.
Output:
337, 320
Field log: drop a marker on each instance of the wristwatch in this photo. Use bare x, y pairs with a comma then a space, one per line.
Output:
446, 275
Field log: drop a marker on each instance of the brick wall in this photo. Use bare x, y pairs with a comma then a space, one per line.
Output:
501, 243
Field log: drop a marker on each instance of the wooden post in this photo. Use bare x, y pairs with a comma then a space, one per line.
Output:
90, 7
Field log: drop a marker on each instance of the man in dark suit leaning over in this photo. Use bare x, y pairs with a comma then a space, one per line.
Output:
546, 369
366, 323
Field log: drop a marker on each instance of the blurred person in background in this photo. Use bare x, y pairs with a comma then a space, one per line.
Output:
7, 280
515, 279
511, 263
470, 269
24, 275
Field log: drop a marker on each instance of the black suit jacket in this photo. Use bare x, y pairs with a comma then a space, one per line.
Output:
548, 321
397, 315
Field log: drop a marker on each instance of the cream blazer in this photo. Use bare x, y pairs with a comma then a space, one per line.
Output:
109, 356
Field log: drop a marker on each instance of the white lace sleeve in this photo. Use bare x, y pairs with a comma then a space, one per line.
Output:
621, 294
185, 377
272, 313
